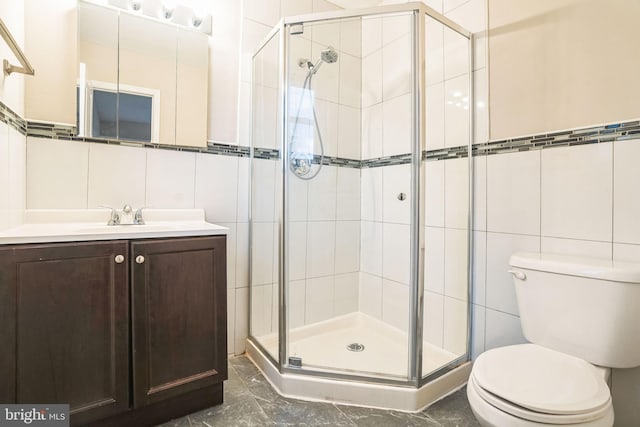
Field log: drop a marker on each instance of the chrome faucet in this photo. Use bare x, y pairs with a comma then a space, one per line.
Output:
114, 218
137, 218
127, 215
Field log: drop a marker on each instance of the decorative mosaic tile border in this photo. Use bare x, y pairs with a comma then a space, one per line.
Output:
8, 116
399, 159
591, 135
51, 130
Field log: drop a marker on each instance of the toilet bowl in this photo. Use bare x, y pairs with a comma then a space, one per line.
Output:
566, 307
528, 385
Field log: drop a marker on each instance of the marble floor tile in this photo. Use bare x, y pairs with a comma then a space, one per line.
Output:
249, 400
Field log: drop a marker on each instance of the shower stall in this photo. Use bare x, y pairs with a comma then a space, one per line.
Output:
360, 233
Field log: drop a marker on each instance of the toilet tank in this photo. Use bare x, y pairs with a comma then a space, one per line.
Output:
586, 307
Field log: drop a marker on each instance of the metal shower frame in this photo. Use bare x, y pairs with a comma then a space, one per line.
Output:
417, 228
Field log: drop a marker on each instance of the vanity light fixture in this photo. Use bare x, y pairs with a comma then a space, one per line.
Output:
176, 12
135, 5
167, 12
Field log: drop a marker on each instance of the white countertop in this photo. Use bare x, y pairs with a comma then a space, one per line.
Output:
74, 225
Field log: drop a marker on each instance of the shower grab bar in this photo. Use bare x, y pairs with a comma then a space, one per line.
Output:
13, 45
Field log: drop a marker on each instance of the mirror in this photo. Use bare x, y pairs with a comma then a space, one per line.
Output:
140, 79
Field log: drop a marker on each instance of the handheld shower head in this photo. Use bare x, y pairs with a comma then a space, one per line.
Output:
328, 55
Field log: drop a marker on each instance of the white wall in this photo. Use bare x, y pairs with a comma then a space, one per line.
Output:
50, 46
548, 70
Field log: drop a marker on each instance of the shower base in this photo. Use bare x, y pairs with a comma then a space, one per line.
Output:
322, 347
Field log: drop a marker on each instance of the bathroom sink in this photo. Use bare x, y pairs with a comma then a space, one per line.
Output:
71, 226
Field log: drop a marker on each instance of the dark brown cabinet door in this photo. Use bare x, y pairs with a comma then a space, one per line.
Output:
64, 327
179, 316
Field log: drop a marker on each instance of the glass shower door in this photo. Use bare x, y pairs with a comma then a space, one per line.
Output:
348, 194
266, 185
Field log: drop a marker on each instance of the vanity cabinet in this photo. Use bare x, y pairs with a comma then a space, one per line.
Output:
179, 308
128, 333
64, 327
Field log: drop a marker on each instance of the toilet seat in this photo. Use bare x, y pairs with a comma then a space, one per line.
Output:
536, 417
540, 385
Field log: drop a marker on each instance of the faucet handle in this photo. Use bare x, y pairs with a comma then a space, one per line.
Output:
115, 218
137, 218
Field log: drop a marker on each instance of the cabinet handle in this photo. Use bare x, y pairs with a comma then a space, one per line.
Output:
140, 259
119, 259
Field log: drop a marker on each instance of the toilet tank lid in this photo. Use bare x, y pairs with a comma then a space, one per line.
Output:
595, 268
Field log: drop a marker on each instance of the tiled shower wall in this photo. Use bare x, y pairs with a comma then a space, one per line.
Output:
386, 131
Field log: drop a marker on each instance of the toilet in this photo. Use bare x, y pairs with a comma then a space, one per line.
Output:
581, 317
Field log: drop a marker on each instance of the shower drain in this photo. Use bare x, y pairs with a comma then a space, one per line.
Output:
356, 346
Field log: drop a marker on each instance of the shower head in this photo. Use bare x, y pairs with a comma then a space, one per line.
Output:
328, 55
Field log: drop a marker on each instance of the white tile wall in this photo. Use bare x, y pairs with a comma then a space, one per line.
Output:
4, 176
319, 299
372, 79
396, 125
434, 116
626, 203
456, 190
513, 193
456, 54
434, 194
456, 111
371, 194
322, 195
396, 65
395, 303
371, 248
502, 329
174, 186
370, 295
17, 177
396, 252
434, 260
56, 174
577, 192
455, 325
321, 248
433, 318
396, 180
455, 263
372, 131
349, 129
12, 176
297, 298
345, 297
347, 244
117, 175
500, 292
348, 194
478, 315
